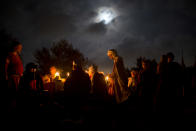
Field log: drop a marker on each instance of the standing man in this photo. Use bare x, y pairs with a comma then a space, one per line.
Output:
14, 70
119, 76
174, 76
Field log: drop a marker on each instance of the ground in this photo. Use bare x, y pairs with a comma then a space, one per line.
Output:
54, 115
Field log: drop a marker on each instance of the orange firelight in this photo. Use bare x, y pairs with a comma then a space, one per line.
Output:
63, 80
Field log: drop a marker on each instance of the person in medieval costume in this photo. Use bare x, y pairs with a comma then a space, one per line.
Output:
119, 76
14, 66
13, 72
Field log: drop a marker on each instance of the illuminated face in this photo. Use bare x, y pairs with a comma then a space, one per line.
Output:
144, 65
53, 70
91, 70
110, 56
133, 73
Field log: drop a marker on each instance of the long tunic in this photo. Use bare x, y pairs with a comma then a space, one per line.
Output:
15, 66
120, 81
14, 70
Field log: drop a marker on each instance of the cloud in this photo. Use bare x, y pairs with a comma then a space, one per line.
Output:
54, 25
97, 28
148, 28
133, 47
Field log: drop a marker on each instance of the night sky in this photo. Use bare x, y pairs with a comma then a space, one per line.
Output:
135, 28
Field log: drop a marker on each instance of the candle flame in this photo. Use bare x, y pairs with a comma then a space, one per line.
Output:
107, 78
68, 74
57, 74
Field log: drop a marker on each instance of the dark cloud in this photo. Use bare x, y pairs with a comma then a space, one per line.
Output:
97, 28
54, 25
132, 48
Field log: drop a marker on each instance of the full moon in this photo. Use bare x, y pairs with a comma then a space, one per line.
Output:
105, 15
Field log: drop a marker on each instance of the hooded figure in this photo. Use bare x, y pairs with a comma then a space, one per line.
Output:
119, 76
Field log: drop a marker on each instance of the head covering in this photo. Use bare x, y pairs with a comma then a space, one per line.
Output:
76, 65
93, 68
170, 55
113, 52
30, 66
14, 44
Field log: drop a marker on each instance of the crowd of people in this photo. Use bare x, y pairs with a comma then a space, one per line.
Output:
158, 85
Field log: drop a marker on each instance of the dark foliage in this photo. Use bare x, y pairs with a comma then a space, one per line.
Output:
60, 55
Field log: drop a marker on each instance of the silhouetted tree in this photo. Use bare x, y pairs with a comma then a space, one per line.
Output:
60, 55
